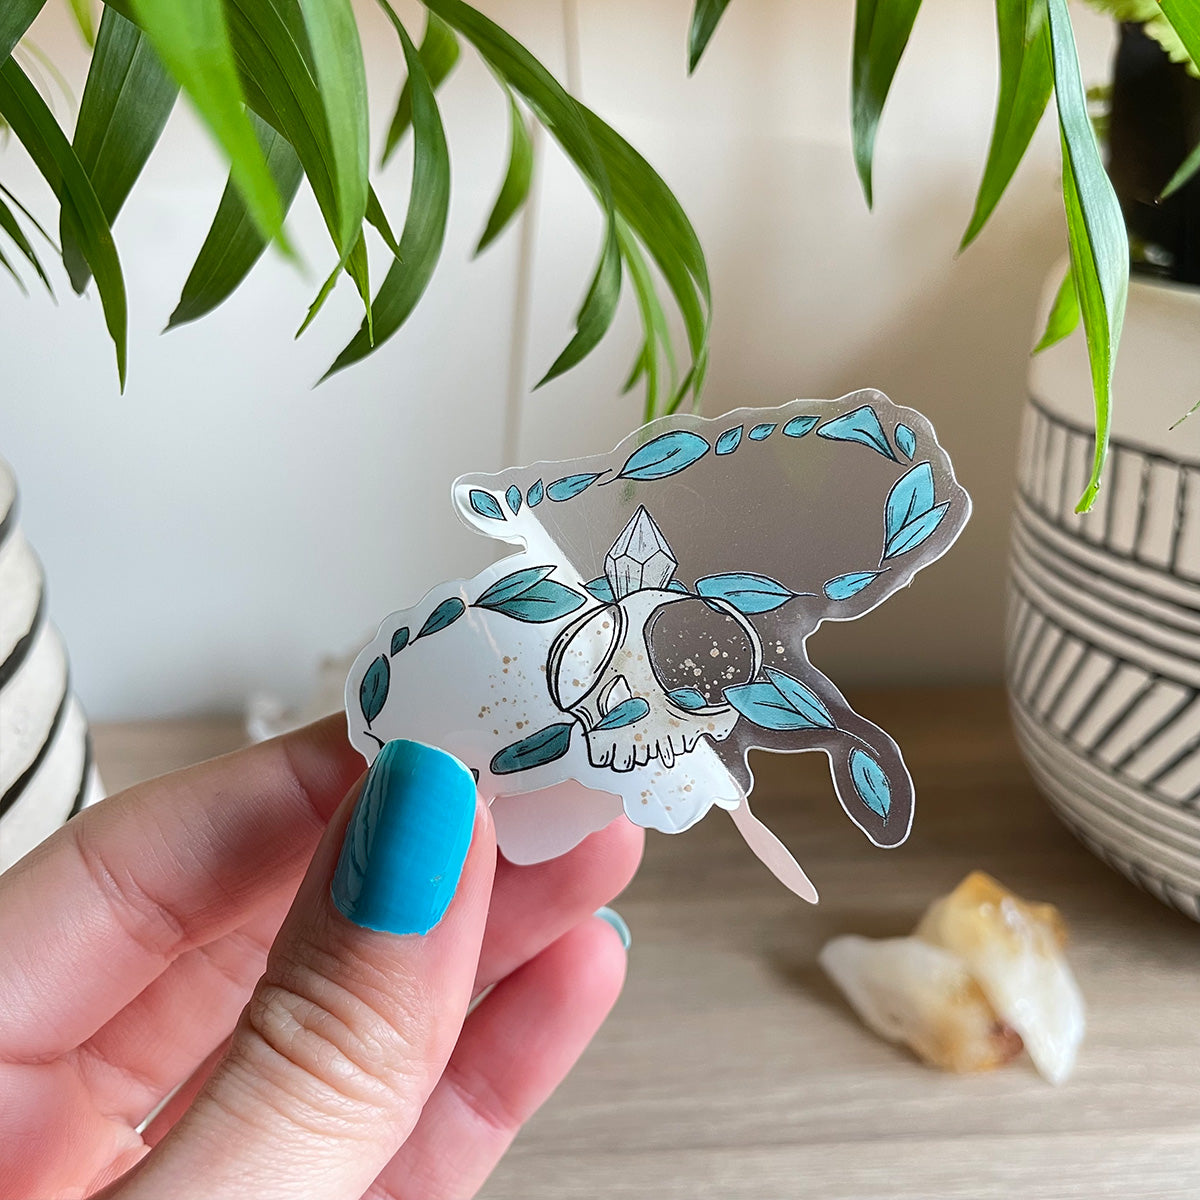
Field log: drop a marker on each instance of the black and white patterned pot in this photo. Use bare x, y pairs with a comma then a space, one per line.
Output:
1104, 611
46, 769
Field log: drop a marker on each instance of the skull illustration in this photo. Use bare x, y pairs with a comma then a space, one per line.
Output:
645, 674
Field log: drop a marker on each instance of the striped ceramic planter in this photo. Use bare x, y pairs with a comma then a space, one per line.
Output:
46, 770
1104, 613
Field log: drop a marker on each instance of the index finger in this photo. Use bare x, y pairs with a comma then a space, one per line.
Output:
98, 910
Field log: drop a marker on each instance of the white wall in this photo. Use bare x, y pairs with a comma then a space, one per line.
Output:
222, 525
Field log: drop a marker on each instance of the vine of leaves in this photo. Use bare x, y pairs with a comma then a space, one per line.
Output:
777, 701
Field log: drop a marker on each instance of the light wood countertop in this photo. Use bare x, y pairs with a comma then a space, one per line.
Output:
732, 1069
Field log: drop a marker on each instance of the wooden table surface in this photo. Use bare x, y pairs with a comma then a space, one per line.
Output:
732, 1069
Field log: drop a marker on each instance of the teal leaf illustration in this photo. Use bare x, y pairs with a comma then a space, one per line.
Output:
628, 711
542, 600
534, 496
601, 589
677, 585
372, 692
513, 497
484, 503
906, 440
729, 441
445, 614
533, 751
760, 433
688, 697
747, 592
799, 426
512, 585
915, 532
667, 454
766, 706
870, 783
911, 496
571, 486
399, 639
845, 586
861, 426
802, 698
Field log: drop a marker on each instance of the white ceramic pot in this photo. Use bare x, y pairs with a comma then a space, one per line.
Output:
46, 768
1104, 613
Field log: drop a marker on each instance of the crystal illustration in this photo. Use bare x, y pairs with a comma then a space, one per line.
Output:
640, 557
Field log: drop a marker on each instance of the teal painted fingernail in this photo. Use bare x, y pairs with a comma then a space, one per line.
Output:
614, 918
407, 840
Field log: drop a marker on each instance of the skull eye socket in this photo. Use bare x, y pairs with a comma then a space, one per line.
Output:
693, 645
581, 655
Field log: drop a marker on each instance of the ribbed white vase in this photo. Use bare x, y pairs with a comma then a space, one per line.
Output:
1104, 614
46, 768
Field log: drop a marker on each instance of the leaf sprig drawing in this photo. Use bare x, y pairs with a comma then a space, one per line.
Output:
677, 449
781, 702
911, 513
528, 595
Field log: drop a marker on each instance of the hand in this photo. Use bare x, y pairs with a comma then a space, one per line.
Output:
132, 939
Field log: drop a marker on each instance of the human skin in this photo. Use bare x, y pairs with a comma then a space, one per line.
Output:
183, 933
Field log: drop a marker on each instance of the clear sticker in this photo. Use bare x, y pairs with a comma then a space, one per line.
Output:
652, 629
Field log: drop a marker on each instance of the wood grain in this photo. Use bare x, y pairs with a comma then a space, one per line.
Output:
731, 1068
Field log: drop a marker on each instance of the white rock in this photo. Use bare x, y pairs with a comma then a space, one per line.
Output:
1015, 951
923, 996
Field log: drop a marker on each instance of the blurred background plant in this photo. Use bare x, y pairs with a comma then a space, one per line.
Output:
282, 88
1037, 56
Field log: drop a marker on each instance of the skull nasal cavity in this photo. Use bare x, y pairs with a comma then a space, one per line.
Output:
692, 645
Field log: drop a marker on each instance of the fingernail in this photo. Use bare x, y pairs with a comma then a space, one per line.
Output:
406, 841
614, 918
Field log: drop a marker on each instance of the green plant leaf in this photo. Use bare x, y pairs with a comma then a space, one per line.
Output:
654, 321
597, 311
425, 224
355, 265
193, 42
705, 16
1184, 17
1026, 80
7, 265
29, 217
657, 218
275, 55
81, 10
126, 102
881, 29
16, 16
341, 80
280, 87
234, 242
565, 120
1187, 169
379, 222
439, 53
1095, 232
515, 188
36, 129
10, 225
1064, 314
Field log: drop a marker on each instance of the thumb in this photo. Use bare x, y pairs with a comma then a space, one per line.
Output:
360, 1004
